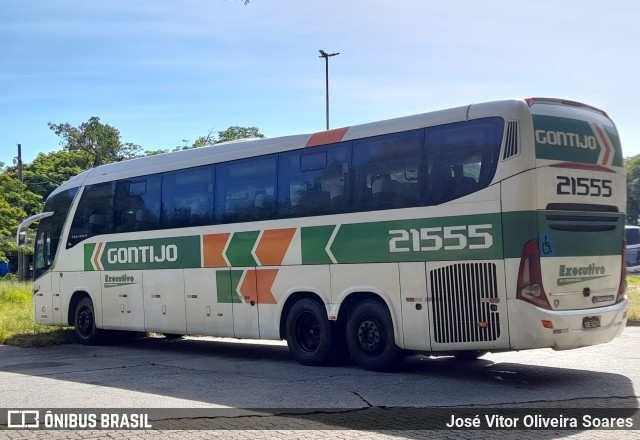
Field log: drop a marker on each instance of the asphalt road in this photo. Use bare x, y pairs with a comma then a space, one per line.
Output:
206, 373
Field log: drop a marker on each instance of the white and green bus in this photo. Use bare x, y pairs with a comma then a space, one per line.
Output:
490, 227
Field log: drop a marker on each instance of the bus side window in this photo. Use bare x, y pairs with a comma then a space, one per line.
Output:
187, 197
387, 171
463, 157
245, 190
94, 214
314, 182
137, 204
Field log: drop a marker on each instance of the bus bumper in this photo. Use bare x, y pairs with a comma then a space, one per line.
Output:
533, 327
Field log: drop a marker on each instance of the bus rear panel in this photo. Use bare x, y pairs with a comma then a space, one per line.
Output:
571, 277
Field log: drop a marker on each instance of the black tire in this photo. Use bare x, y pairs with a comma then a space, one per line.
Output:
85, 324
309, 332
469, 356
370, 337
173, 336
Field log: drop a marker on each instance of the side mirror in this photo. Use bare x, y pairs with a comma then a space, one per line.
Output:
21, 236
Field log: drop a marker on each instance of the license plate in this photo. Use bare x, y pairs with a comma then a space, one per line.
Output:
591, 322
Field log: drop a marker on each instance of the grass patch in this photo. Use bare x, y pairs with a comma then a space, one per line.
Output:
633, 295
17, 325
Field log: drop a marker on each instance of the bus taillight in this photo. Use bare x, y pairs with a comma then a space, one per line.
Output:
622, 288
530, 277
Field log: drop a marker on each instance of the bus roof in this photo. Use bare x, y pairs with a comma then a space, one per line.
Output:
256, 147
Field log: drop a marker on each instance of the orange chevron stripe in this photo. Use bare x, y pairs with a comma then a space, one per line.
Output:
327, 137
607, 148
248, 287
273, 246
213, 247
96, 258
264, 281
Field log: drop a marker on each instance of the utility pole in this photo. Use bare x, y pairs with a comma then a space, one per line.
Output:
20, 256
326, 56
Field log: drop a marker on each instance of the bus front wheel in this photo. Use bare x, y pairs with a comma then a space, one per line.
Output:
308, 332
85, 324
370, 337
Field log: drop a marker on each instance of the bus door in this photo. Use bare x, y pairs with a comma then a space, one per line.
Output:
42, 286
164, 301
415, 313
56, 303
209, 304
243, 288
122, 303
42, 300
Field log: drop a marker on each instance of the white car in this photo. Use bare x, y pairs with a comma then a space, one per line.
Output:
632, 235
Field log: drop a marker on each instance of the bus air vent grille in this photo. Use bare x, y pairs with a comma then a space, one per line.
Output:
582, 222
512, 140
464, 303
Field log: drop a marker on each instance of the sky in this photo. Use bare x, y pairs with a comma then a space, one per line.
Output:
165, 72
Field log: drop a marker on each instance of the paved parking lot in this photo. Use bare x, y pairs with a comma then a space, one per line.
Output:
208, 374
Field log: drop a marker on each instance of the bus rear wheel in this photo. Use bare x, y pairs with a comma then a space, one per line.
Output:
85, 324
308, 332
370, 337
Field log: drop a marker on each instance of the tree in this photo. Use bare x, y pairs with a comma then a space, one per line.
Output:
10, 218
236, 132
16, 194
232, 133
632, 166
16, 203
101, 141
49, 171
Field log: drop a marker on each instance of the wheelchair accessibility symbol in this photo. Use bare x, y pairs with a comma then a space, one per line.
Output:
547, 244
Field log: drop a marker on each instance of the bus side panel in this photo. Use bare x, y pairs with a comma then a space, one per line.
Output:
468, 305
122, 300
276, 284
245, 312
209, 303
415, 307
42, 300
164, 303
381, 279
72, 282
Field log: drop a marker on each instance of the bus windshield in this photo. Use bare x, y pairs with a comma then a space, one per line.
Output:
50, 230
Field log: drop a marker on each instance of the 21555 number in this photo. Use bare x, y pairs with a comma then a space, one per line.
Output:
449, 238
583, 186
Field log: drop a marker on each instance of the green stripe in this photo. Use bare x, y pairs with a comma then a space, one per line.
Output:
226, 284
466, 237
88, 252
159, 253
520, 227
583, 242
239, 250
314, 241
572, 140
517, 229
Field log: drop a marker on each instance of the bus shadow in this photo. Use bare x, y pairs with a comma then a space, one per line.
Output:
205, 372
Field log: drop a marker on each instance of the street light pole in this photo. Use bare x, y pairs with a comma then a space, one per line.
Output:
326, 56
